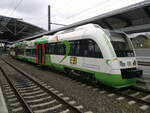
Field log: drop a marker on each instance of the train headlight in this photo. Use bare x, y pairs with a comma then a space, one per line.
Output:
134, 63
122, 64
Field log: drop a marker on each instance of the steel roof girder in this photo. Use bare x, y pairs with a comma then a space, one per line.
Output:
147, 10
107, 23
135, 29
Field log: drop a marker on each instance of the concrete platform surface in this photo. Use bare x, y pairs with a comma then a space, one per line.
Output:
3, 107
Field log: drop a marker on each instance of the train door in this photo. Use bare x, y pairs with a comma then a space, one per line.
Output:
40, 56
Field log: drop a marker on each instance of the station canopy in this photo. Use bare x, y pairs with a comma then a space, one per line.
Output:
12, 29
131, 19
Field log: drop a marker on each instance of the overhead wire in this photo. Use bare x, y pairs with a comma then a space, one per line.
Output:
82, 10
15, 7
89, 8
58, 11
69, 2
14, 10
9, 5
111, 5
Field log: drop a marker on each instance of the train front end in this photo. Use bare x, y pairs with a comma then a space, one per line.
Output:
124, 65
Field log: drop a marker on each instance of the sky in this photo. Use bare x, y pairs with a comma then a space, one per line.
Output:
62, 11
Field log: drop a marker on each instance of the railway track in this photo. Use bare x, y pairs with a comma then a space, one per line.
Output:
134, 95
143, 63
30, 95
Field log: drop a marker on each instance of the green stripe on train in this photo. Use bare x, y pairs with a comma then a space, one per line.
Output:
112, 80
27, 58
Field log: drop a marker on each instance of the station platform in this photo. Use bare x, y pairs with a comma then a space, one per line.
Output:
3, 107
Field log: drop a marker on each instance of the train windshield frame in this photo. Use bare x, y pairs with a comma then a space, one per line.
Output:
121, 44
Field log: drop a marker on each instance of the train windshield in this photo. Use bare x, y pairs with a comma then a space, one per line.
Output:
122, 45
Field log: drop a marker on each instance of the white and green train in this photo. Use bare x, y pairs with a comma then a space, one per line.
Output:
87, 50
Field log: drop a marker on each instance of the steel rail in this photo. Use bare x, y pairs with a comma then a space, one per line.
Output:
118, 92
40, 85
17, 92
132, 97
140, 89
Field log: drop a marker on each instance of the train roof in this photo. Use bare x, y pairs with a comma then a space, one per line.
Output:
55, 37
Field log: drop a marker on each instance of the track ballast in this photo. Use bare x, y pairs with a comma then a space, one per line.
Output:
36, 96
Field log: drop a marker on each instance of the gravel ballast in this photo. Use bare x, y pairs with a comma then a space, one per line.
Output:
92, 99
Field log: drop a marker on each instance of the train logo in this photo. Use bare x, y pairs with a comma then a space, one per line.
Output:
73, 60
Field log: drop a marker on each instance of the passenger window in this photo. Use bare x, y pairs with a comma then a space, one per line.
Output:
52, 48
91, 48
61, 49
83, 48
71, 48
98, 53
77, 48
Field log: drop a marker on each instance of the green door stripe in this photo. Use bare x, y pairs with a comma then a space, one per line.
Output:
67, 45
